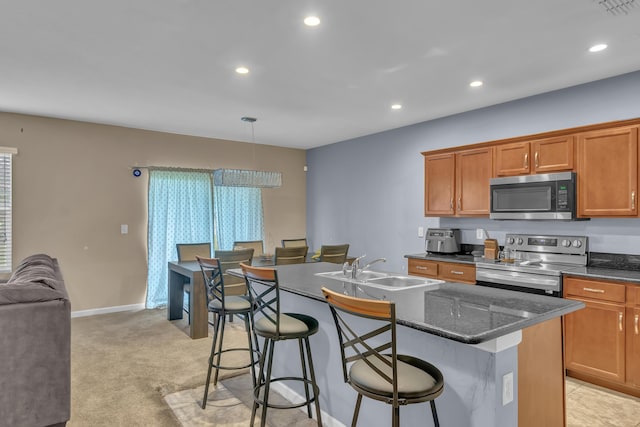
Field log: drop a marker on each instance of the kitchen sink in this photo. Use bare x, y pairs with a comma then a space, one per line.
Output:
380, 280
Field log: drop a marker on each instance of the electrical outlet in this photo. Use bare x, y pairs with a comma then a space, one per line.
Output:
420, 231
480, 233
507, 388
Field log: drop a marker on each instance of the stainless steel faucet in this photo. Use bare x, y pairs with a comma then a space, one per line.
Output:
355, 266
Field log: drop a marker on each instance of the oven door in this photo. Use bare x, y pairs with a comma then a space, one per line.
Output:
520, 281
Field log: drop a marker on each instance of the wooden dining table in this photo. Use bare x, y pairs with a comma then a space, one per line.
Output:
189, 273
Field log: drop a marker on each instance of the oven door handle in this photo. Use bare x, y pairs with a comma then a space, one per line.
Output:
517, 279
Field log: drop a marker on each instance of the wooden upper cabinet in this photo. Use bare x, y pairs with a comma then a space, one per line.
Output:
474, 169
439, 181
539, 156
457, 184
608, 172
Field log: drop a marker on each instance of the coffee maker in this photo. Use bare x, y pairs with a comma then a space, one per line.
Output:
442, 240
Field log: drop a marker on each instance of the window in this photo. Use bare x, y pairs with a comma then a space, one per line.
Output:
184, 209
5, 208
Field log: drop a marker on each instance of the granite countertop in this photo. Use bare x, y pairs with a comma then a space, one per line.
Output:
594, 272
460, 312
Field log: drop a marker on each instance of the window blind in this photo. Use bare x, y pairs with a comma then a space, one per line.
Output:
5, 211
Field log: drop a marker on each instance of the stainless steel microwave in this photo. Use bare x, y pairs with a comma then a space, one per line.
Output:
544, 196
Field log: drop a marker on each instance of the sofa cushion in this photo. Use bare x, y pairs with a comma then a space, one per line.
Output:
23, 292
37, 278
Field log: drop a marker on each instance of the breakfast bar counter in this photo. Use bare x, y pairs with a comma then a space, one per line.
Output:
470, 333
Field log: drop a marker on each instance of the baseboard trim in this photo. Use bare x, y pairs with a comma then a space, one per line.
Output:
105, 310
292, 396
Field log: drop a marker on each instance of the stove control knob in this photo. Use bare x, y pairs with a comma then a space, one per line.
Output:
566, 243
510, 240
520, 241
577, 243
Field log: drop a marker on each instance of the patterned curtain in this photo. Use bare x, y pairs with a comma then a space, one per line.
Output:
237, 215
180, 211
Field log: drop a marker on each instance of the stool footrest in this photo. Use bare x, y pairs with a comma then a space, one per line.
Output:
213, 365
312, 398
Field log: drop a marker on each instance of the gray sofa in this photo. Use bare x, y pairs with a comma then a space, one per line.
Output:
35, 333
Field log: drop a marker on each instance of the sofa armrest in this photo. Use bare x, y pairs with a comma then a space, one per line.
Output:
35, 368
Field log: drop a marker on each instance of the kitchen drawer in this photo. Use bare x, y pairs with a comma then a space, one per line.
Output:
594, 289
423, 267
455, 272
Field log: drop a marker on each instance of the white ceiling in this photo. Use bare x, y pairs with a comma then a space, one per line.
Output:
168, 65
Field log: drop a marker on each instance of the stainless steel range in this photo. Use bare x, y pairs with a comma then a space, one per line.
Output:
534, 263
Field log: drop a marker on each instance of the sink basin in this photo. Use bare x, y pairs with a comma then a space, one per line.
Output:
380, 280
401, 282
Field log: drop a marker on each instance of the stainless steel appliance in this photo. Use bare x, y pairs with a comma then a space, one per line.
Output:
442, 240
534, 263
544, 196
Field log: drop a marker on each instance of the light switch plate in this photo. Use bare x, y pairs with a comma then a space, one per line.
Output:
479, 233
507, 388
124, 228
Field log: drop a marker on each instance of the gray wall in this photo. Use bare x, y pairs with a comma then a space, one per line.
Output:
368, 191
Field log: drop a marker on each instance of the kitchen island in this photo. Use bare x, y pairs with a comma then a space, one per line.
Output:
470, 333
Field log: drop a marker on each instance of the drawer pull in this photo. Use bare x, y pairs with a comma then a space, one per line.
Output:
457, 272
597, 291
635, 323
526, 161
419, 267
620, 321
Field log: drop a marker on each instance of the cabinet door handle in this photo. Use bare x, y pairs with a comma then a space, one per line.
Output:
526, 160
536, 159
633, 199
457, 272
620, 315
419, 267
459, 203
451, 204
597, 291
635, 323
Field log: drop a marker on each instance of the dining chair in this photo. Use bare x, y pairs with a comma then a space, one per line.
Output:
336, 254
290, 243
393, 378
273, 325
291, 255
189, 252
221, 304
257, 245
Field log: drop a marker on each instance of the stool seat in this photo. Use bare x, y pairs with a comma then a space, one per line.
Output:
292, 325
413, 381
231, 304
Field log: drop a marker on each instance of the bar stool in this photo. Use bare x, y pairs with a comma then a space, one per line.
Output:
221, 306
273, 326
396, 379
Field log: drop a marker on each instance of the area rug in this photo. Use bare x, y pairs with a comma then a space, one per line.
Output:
229, 405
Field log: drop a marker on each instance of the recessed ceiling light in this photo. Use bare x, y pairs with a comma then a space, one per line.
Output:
242, 70
396, 107
597, 47
476, 83
312, 21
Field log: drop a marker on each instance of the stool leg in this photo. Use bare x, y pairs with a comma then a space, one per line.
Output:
395, 420
250, 340
211, 355
221, 323
436, 423
267, 385
316, 389
304, 375
256, 390
356, 411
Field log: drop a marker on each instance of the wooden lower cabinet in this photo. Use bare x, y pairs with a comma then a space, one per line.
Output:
601, 343
449, 271
541, 392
